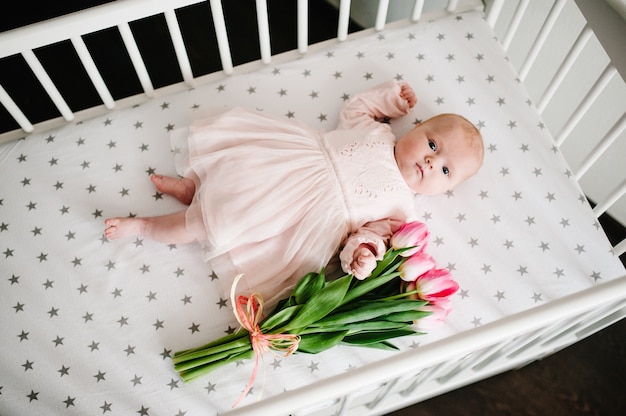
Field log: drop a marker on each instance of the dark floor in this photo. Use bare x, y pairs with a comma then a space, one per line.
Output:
584, 379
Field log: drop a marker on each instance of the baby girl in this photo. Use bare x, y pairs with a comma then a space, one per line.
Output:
274, 199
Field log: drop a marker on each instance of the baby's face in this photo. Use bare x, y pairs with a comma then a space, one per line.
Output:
436, 156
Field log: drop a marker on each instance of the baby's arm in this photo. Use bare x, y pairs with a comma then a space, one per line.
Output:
367, 245
388, 100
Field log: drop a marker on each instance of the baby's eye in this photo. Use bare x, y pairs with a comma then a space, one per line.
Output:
446, 171
432, 145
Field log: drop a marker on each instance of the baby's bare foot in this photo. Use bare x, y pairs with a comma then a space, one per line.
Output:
123, 227
182, 189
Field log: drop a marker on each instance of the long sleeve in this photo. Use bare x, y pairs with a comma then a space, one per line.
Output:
374, 105
375, 233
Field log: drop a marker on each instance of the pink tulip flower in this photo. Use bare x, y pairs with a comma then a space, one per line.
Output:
415, 266
436, 284
411, 234
439, 313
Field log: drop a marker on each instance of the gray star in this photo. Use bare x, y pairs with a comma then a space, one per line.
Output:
129, 350
143, 411
508, 244
430, 78
596, 276
313, 366
100, 376
107, 122
439, 100
87, 316
58, 341
151, 296
220, 88
165, 106
82, 289
522, 270
123, 321
65, 210
276, 363
106, 407
450, 57
173, 384
14, 279
144, 269
179, 272
19, 307
495, 219
438, 241
65, 371
58, 185
564, 222
314, 94
476, 322
136, 380
110, 265
124, 192
322, 117
48, 284
537, 172
32, 396
93, 346
368, 76
501, 101
580, 248
504, 171
460, 79
460, 217
530, 220
517, 195
464, 293
69, 401
559, 273
550, 197
499, 295
544, 246
157, 325
166, 353
194, 327
210, 387
85, 164
76, 261
473, 242
116, 293
441, 36
282, 92
486, 268
512, 124
23, 336
536, 297
490, 78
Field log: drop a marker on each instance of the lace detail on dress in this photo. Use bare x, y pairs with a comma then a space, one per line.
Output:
377, 179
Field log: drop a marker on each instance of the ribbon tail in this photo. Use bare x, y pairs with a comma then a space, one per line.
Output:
252, 377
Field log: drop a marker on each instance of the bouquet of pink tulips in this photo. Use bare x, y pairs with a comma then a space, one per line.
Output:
405, 293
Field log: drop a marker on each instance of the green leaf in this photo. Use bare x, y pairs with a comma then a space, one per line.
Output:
408, 316
280, 318
191, 374
366, 286
320, 304
307, 287
225, 344
206, 359
315, 343
358, 327
373, 337
366, 311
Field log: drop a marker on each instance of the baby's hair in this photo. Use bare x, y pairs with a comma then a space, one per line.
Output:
471, 131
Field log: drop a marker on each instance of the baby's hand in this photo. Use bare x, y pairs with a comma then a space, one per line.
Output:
363, 262
407, 93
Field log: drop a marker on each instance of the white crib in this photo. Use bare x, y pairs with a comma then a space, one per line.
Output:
565, 61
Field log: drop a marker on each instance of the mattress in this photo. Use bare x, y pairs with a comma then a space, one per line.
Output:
90, 325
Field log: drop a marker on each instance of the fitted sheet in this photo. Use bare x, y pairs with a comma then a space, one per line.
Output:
89, 326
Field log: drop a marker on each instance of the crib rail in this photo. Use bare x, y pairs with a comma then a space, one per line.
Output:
444, 365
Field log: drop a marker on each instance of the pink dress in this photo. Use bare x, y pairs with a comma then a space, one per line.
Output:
276, 199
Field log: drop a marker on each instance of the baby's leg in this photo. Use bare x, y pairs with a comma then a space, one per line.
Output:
182, 189
168, 229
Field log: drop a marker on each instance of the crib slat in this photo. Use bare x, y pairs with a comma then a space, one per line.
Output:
553, 15
179, 46
565, 67
344, 18
48, 85
92, 71
517, 18
612, 198
593, 94
452, 4
135, 57
264, 31
219, 24
15, 111
602, 146
381, 14
303, 26
417, 10
494, 12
